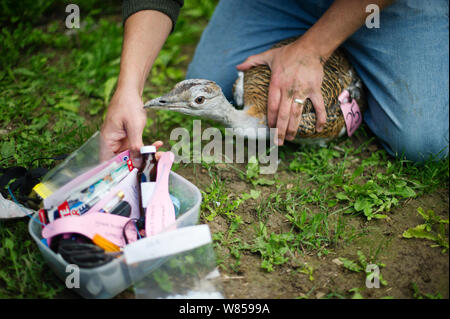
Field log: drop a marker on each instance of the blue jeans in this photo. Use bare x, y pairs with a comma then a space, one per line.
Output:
404, 63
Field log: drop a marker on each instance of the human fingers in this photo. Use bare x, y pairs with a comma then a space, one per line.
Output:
284, 112
295, 118
134, 135
254, 60
319, 106
111, 138
158, 144
273, 102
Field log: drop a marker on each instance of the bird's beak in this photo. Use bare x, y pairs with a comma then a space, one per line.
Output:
158, 103
166, 102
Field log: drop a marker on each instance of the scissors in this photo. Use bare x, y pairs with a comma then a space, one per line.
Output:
84, 255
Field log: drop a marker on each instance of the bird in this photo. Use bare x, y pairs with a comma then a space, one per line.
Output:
205, 99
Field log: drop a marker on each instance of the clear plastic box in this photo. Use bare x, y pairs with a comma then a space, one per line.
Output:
111, 279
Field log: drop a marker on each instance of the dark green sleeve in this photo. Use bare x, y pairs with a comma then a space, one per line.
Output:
169, 7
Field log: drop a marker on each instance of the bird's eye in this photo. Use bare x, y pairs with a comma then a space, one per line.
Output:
199, 99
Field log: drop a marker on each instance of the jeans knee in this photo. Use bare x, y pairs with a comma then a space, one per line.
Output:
421, 147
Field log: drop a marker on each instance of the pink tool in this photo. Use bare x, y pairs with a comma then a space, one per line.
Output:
108, 226
160, 212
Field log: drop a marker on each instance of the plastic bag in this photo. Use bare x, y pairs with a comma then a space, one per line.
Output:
70, 171
76, 164
9, 209
177, 264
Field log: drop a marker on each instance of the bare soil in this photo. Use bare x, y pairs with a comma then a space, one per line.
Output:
406, 260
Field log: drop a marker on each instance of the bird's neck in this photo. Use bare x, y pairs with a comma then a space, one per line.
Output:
243, 123
235, 118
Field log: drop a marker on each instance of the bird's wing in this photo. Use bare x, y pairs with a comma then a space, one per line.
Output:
256, 91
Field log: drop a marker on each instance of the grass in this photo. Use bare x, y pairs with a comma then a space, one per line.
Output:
433, 229
338, 183
55, 87
361, 265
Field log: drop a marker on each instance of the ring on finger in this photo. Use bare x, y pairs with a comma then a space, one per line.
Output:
300, 101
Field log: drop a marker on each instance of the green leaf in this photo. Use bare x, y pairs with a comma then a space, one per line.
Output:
255, 194
252, 168
264, 181
357, 172
342, 196
95, 107
25, 72
267, 265
406, 192
295, 165
350, 265
362, 204
368, 211
163, 280
362, 259
68, 105
422, 213
332, 203
383, 281
109, 86
356, 293
8, 149
419, 232
8, 243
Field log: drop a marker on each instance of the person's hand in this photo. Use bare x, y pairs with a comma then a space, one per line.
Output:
296, 73
123, 126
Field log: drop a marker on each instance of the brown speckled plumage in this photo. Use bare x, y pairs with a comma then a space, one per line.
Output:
338, 75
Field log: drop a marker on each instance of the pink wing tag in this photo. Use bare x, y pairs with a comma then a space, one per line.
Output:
160, 212
108, 226
352, 114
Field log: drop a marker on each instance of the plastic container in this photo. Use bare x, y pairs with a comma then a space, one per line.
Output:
109, 280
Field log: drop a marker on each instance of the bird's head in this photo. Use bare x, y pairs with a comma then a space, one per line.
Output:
196, 97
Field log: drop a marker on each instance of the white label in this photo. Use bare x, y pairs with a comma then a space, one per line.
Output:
167, 243
146, 192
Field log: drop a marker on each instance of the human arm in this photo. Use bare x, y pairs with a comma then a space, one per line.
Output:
297, 68
144, 34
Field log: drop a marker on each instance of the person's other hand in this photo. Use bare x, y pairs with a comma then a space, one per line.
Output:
123, 126
297, 73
